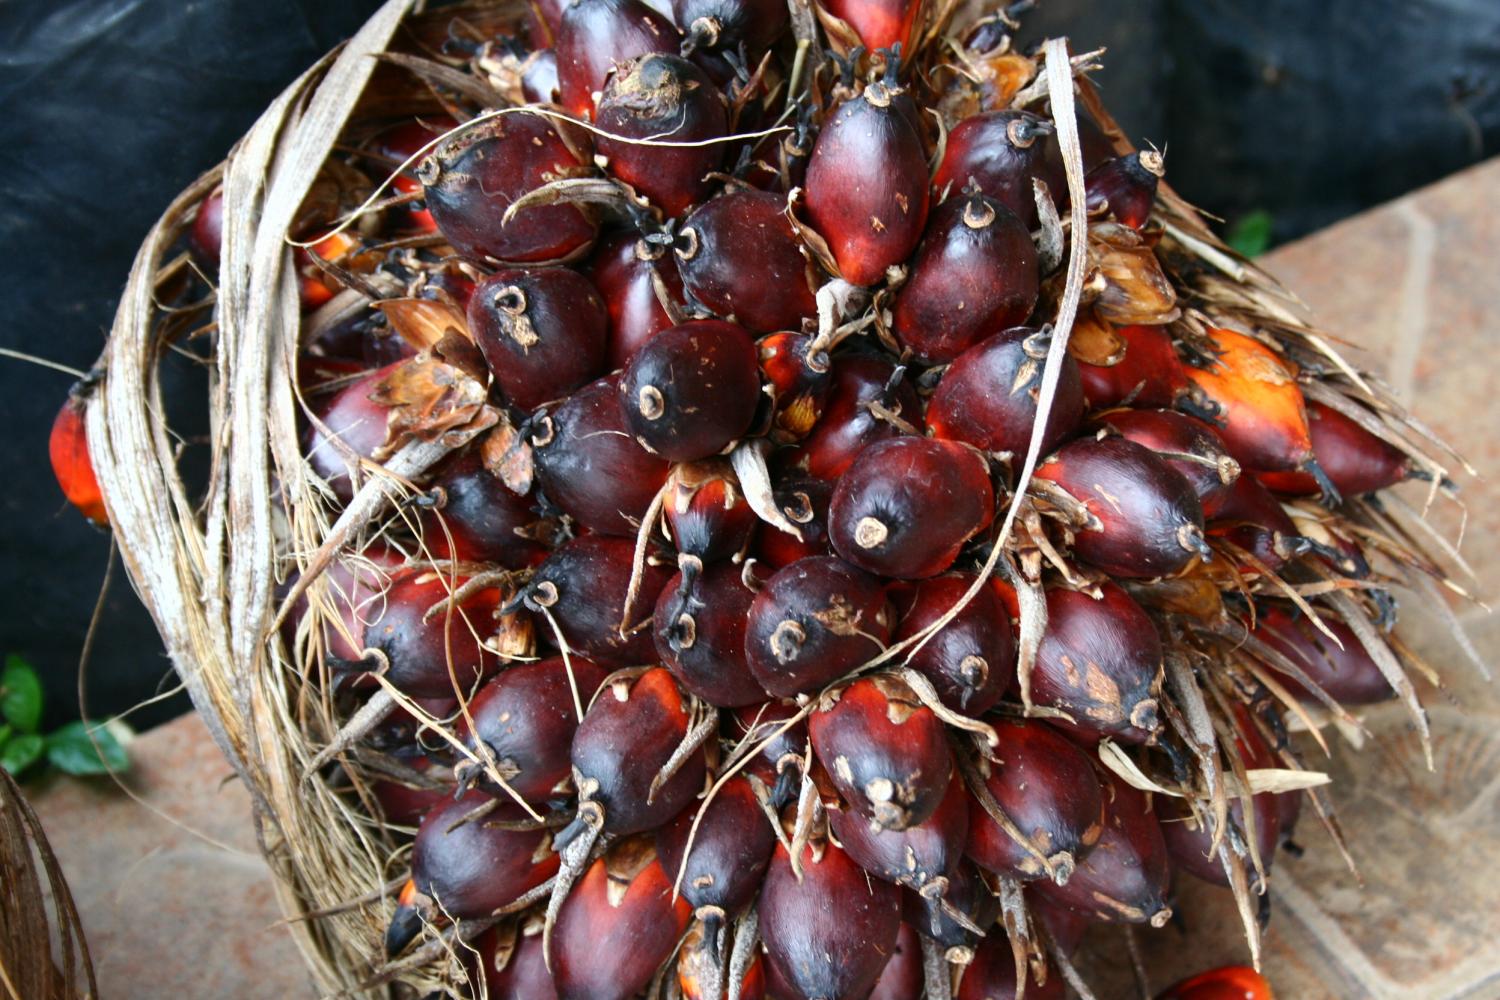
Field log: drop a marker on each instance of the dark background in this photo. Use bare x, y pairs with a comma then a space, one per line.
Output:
1306, 111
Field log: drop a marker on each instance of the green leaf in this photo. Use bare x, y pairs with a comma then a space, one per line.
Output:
5, 731
1251, 235
21, 751
20, 695
71, 749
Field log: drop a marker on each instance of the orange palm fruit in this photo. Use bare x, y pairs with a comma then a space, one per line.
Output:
1232, 982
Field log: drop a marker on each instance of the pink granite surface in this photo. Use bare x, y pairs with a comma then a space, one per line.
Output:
177, 905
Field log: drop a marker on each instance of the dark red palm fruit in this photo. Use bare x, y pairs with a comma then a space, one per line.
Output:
627, 271
778, 764
724, 24
906, 506
539, 83
885, 751
543, 21
354, 422
1232, 982
352, 593
1148, 374
1262, 415
692, 390
975, 274
1186, 444
988, 397
1046, 785
948, 921
779, 162
740, 258
1125, 186
880, 24
902, 977
394, 146
864, 392
1064, 926
542, 331
583, 586
1348, 675
813, 622
470, 857
799, 384
992, 975
920, 857
617, 926
626, 737
526, 717
662, 96
1001, 151
1251, 518
830, 932
804, 500
1097, 150
701, 972
1356, 460
206, 238
729, 856
1126, 877
419, 646
403, 734
590, 465
524, 975
971, 661
472, 178
405, 805
68, 449
479, 519
700, 635
706, 513
595, 36
1100, 661
866, 184
1144, 517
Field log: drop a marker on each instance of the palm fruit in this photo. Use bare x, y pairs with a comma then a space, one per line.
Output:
739, 349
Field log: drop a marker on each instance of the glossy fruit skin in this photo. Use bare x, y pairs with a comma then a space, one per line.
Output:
1145, 517
594, 36
1348, 675
622, 744
906, 506
1261, 410
885, 752
524, 977
662, 96
901, 979
1047, 786
707, 516
1356, 460
473, 868
815, 620
354, 420
404, 805
485, 521
738, 256
727, 23
880, 24
992, 975
700, 635
866, 185
590, 465
1150, 374
859, 385
987, 398
472, 177
1231, 982
780, 760
971, 662
798, 383
1101, 662
525, 715
394, 146
692, 389
615, 929
418, 647
731, 850
583, 585
1125, 186
542, 331
68, 449
974, 274
1126, 877
917, 856
1251, 518
1186, 444
206, 238
830, 934
626, 269
804, 500
1002, 151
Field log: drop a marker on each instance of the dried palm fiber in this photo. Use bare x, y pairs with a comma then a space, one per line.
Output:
214, 568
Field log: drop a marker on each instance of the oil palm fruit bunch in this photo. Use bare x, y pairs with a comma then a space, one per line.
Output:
813, 514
